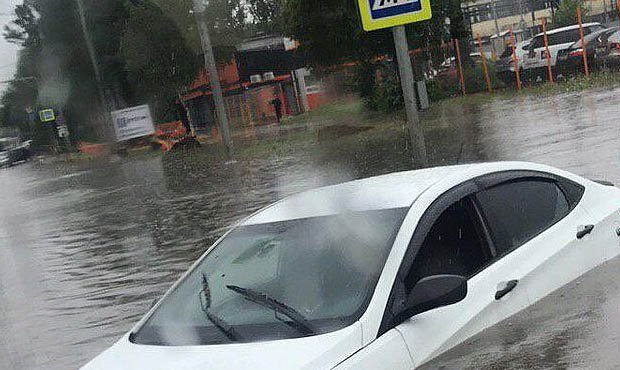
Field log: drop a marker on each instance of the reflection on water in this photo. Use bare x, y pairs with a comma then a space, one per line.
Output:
85, 248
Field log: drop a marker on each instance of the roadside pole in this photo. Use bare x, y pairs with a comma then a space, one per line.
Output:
515, 60
606, 12
376, 15
459, 64
494, 10
583, 45
406, 80
497, 30
547, 54
105, 106
484, 64
214, 78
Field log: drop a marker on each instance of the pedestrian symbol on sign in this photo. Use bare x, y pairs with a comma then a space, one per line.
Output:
377, 14
388, 8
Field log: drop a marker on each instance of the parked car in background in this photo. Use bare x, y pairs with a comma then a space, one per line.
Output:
13, 150
382, 273
570, 61
612, 57
448, 69
559, 40
505, 65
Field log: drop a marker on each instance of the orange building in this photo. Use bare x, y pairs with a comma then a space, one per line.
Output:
265, 69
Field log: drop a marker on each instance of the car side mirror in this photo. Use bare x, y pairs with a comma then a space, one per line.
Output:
436, 291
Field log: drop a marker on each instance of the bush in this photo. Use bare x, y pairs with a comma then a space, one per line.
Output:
442, 88
386, 97
448, 85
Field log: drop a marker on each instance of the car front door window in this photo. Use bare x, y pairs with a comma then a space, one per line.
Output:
455, 245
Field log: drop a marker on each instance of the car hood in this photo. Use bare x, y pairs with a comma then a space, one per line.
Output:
317, 352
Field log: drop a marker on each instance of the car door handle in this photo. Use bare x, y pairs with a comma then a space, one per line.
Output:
507, 289
585, 230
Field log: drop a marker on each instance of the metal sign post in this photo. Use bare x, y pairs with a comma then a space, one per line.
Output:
379, 14
411, 107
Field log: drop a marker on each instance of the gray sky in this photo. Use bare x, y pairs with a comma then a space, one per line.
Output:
8, 52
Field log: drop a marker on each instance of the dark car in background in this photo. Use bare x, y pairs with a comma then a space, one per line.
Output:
13, 150
570, 61
612, 57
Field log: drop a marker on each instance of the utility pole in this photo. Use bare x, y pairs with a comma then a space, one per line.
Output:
497, 30
93, 59
522, 23
606, 12
214, 78
406, 81
494, 10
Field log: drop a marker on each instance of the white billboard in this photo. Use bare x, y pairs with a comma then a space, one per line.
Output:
133, 122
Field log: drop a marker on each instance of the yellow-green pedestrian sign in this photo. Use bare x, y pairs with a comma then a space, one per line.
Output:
47, 115
377, 14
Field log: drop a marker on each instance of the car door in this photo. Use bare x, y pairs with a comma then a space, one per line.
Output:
560, 41
541, 234
450, 239
504, 282
530, 57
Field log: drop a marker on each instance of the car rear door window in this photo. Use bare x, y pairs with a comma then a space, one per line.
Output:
564, 37
536, 43
517, 211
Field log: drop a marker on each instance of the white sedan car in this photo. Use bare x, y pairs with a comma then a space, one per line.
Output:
382, 273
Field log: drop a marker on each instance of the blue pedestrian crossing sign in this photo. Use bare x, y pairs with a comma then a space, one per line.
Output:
377, 14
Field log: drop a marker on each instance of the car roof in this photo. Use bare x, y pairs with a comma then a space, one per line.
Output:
397, 190
593, 35
569, 28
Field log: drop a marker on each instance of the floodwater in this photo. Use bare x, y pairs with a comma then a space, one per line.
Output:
85, 248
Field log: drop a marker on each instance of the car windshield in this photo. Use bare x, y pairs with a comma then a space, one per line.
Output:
322, 269
614, 37
593, 36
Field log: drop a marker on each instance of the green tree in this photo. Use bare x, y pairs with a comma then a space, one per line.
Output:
160, 65
330, 33
566, 14
141, 53
23, 30
265, 14
20, 95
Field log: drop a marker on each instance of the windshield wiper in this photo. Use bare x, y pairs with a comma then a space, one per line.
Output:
299, 321
222, 325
